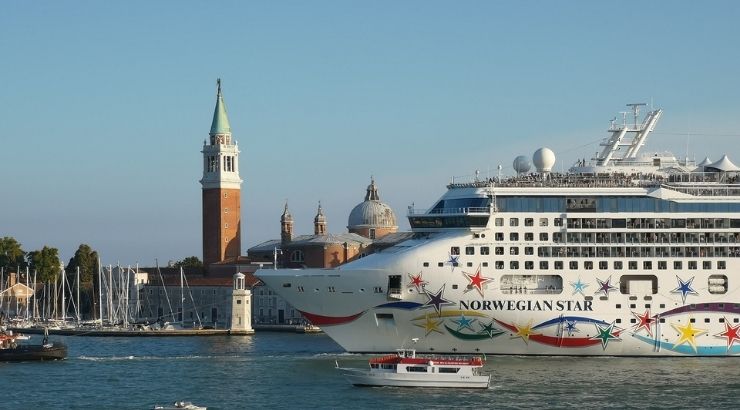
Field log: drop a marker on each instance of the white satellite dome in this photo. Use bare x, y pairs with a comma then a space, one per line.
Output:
544, 159
522, 164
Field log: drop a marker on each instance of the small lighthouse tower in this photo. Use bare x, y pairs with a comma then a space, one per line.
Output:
241, 309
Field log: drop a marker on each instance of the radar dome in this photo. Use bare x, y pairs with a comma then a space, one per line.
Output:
521, 164
544, 159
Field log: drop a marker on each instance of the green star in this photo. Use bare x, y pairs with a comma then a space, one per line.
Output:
606, 334
490, 330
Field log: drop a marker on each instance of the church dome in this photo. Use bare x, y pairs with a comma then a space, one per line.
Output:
372, 213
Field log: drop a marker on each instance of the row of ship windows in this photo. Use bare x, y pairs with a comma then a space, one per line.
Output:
602, 265
628, 223
610, 251
622, 237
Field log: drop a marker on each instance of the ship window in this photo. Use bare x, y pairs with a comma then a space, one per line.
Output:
513, 250
692, 265
426, 264
532, 284
632, 265
417, 369
449, 369
528, 221
603, 265
573, 265
529, 250
469, 250
588, 265
721, 265
440, 264
499, 236
543, 221
454, 286
677, 265
558, 222
528, 236
469, 264
529, 265
499, 250
543, 236
717, 284
619, 305
638, 284
499, 264
455, 250
543, 265
692, 320
706, 265
485, 250
499, 221
485, 264
706, 320
619, 320
647, 265
662, 265
513, 221
513, 236
559, 265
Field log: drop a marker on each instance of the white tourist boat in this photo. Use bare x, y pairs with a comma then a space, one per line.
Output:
627, 254
405, 369
179, 405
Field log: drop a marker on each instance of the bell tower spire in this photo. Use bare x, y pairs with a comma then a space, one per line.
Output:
221, 187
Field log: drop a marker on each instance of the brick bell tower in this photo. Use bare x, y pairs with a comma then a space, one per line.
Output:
221, 189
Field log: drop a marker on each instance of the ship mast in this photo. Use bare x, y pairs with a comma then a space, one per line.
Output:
638, 135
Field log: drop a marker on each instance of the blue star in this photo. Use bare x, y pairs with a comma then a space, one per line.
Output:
570, 327
454, 260
579, 287
605, 287
464, 322
684, 288
437, 300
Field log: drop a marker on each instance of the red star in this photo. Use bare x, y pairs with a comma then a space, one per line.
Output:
645, 322
731, 333
417, 281
477, 281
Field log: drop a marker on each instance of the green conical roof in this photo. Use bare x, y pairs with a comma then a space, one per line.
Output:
220, 124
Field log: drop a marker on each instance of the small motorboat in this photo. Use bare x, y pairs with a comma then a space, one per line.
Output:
12, 351
179, 405
405, 369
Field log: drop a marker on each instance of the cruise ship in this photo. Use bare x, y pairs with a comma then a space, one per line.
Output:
628, 254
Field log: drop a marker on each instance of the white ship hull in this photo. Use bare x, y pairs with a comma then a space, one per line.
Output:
581, 264
367, 378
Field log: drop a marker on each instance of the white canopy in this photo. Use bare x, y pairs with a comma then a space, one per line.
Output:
724, 165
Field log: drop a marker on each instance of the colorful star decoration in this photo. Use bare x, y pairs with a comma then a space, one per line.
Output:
524, 331
477, 281
437, 300
605, 334
684, 288
687, 334
645, 322
417, 282
430, 325
454, 261
489, 330
464, 323
570, 327
579, 287
605, 286
731, 333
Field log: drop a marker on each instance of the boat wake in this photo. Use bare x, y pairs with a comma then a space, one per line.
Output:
167, 358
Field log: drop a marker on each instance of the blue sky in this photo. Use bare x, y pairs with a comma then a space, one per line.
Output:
104, 106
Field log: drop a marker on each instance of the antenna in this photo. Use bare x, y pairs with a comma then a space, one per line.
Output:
636, 110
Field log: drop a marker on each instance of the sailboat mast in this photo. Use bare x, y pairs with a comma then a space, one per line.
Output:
182, 299
100, 292
78, 295
28, 296
64, 296
35, 299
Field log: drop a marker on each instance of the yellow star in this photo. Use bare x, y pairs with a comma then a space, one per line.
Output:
430, 325
688, 334
524, 331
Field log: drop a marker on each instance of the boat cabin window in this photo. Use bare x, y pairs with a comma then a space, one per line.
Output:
500, 221
388, 366
449, 369
469, 250
418, 369
455, 250
513, 221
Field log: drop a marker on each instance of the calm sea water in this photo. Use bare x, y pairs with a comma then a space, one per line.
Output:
283, 370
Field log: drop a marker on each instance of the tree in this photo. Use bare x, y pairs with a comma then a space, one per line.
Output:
46, 263
189, 262
11, 253
86, 259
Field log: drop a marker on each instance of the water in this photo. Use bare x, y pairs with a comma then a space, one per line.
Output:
283, 370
